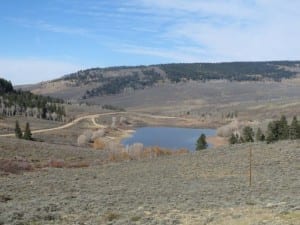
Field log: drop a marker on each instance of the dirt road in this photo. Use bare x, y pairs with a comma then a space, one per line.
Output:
92, 117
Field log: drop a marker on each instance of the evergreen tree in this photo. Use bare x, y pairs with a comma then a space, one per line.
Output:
273, 131
201, 142
248, 134
294, 129
259, 135
18, 131
283, 131
27, 132
234, 139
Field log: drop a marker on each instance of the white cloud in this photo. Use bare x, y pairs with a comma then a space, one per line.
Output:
28, 71
233, 30
232, 8
45, 26
174, 54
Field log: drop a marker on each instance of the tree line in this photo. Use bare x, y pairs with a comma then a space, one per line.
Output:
276, 130
24, 103
233, 71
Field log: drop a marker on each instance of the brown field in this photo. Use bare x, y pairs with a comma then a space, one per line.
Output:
60, 184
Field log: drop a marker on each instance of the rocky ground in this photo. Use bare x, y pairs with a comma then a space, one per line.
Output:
207, 187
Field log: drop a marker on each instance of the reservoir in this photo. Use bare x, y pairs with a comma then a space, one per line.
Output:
168, 137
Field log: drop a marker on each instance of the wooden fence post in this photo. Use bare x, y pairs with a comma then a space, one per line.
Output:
250, 166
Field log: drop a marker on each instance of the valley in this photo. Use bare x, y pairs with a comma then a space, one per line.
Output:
76, 171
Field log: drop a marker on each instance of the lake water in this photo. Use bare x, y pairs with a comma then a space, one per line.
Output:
168, 137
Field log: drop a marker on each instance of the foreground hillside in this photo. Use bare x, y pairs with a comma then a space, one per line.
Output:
208, 187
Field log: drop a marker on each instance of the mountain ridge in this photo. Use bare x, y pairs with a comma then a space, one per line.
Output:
96, 82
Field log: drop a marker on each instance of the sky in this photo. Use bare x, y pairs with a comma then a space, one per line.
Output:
43, 40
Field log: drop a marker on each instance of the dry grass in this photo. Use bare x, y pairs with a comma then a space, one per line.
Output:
59, 163
17, 156
18, 166
247, 215
142, 153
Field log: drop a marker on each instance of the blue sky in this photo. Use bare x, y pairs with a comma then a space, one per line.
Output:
42, 40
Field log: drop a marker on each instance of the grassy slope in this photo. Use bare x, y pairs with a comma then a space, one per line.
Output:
205, 187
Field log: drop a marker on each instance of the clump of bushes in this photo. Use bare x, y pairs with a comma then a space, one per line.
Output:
89, 137
16, 165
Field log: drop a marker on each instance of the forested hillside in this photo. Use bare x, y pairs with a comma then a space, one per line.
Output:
24, 103
115, 80
238, 71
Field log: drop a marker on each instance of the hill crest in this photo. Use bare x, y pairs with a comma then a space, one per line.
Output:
95, 82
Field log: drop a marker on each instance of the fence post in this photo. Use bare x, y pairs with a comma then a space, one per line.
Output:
250, 166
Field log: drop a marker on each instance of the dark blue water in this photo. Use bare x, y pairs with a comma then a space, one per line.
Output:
168, 137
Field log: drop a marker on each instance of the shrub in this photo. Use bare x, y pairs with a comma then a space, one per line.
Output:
88, 134
82, 140
15, 166
56, 163
99, 144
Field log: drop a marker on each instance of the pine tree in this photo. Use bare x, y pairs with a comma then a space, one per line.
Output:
27, 133
18, 131
248, 134
294, 129
259, 135
283, 131
234, 139
273, 131
201, 142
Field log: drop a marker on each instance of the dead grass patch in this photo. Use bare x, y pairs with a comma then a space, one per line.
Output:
60, 163
118, 155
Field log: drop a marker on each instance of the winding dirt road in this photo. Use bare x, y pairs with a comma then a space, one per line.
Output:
91, 117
